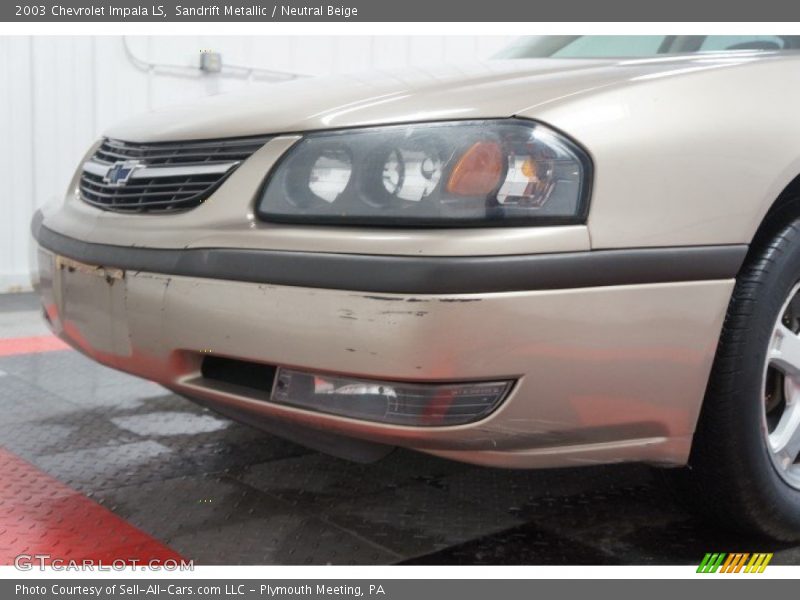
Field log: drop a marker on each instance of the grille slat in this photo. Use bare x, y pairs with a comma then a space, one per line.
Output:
172, 193
133, 189
169, 183
181, 146
173, 159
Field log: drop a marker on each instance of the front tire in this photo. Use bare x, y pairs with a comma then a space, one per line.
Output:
744, 468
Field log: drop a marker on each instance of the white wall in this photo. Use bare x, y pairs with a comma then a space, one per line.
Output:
57, 94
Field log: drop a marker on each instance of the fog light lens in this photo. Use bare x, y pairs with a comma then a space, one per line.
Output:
415, 404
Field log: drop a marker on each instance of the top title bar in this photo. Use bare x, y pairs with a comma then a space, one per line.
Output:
398, 11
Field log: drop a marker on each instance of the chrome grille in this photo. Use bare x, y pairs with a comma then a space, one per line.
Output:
160, 177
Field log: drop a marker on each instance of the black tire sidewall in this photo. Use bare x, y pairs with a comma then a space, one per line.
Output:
736, 392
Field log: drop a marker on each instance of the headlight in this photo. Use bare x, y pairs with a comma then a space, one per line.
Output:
500, 172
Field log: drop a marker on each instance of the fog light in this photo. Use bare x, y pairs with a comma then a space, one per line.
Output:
415, 404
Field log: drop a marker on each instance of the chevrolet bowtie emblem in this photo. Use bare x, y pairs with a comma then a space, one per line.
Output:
119, 173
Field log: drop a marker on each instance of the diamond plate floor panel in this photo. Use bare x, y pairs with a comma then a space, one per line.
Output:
41, 517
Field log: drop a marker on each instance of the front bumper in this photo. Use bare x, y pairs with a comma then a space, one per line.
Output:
604, 373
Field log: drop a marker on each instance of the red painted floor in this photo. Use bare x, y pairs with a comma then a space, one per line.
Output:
41, 516
29, 345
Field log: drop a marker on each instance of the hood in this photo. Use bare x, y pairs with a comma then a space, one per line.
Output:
500, 88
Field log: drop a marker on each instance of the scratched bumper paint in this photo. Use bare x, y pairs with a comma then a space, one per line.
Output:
599, 379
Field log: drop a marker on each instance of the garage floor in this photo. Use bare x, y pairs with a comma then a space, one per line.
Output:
95, 463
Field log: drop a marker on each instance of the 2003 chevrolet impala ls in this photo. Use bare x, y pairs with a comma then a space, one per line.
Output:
585, 251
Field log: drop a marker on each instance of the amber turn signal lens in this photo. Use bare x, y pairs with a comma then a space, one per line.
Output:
478, 171
529, 169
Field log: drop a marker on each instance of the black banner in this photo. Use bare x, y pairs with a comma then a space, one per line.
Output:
398, 11
731, 588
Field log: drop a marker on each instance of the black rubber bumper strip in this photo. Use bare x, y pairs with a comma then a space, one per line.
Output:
413, 274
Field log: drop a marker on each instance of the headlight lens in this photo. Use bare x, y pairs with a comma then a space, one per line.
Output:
502, 172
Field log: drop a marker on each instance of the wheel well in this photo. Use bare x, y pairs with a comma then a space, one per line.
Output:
785, 208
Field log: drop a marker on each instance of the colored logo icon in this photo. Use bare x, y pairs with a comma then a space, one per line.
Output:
738, 562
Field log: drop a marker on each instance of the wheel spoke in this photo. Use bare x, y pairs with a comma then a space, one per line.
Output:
792, 448
785, 440
785, 351
781, 394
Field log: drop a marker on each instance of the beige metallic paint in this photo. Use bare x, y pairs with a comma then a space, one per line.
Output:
595, 366
682, 155
687, 151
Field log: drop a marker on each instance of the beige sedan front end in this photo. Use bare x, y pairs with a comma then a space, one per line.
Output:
604, 331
